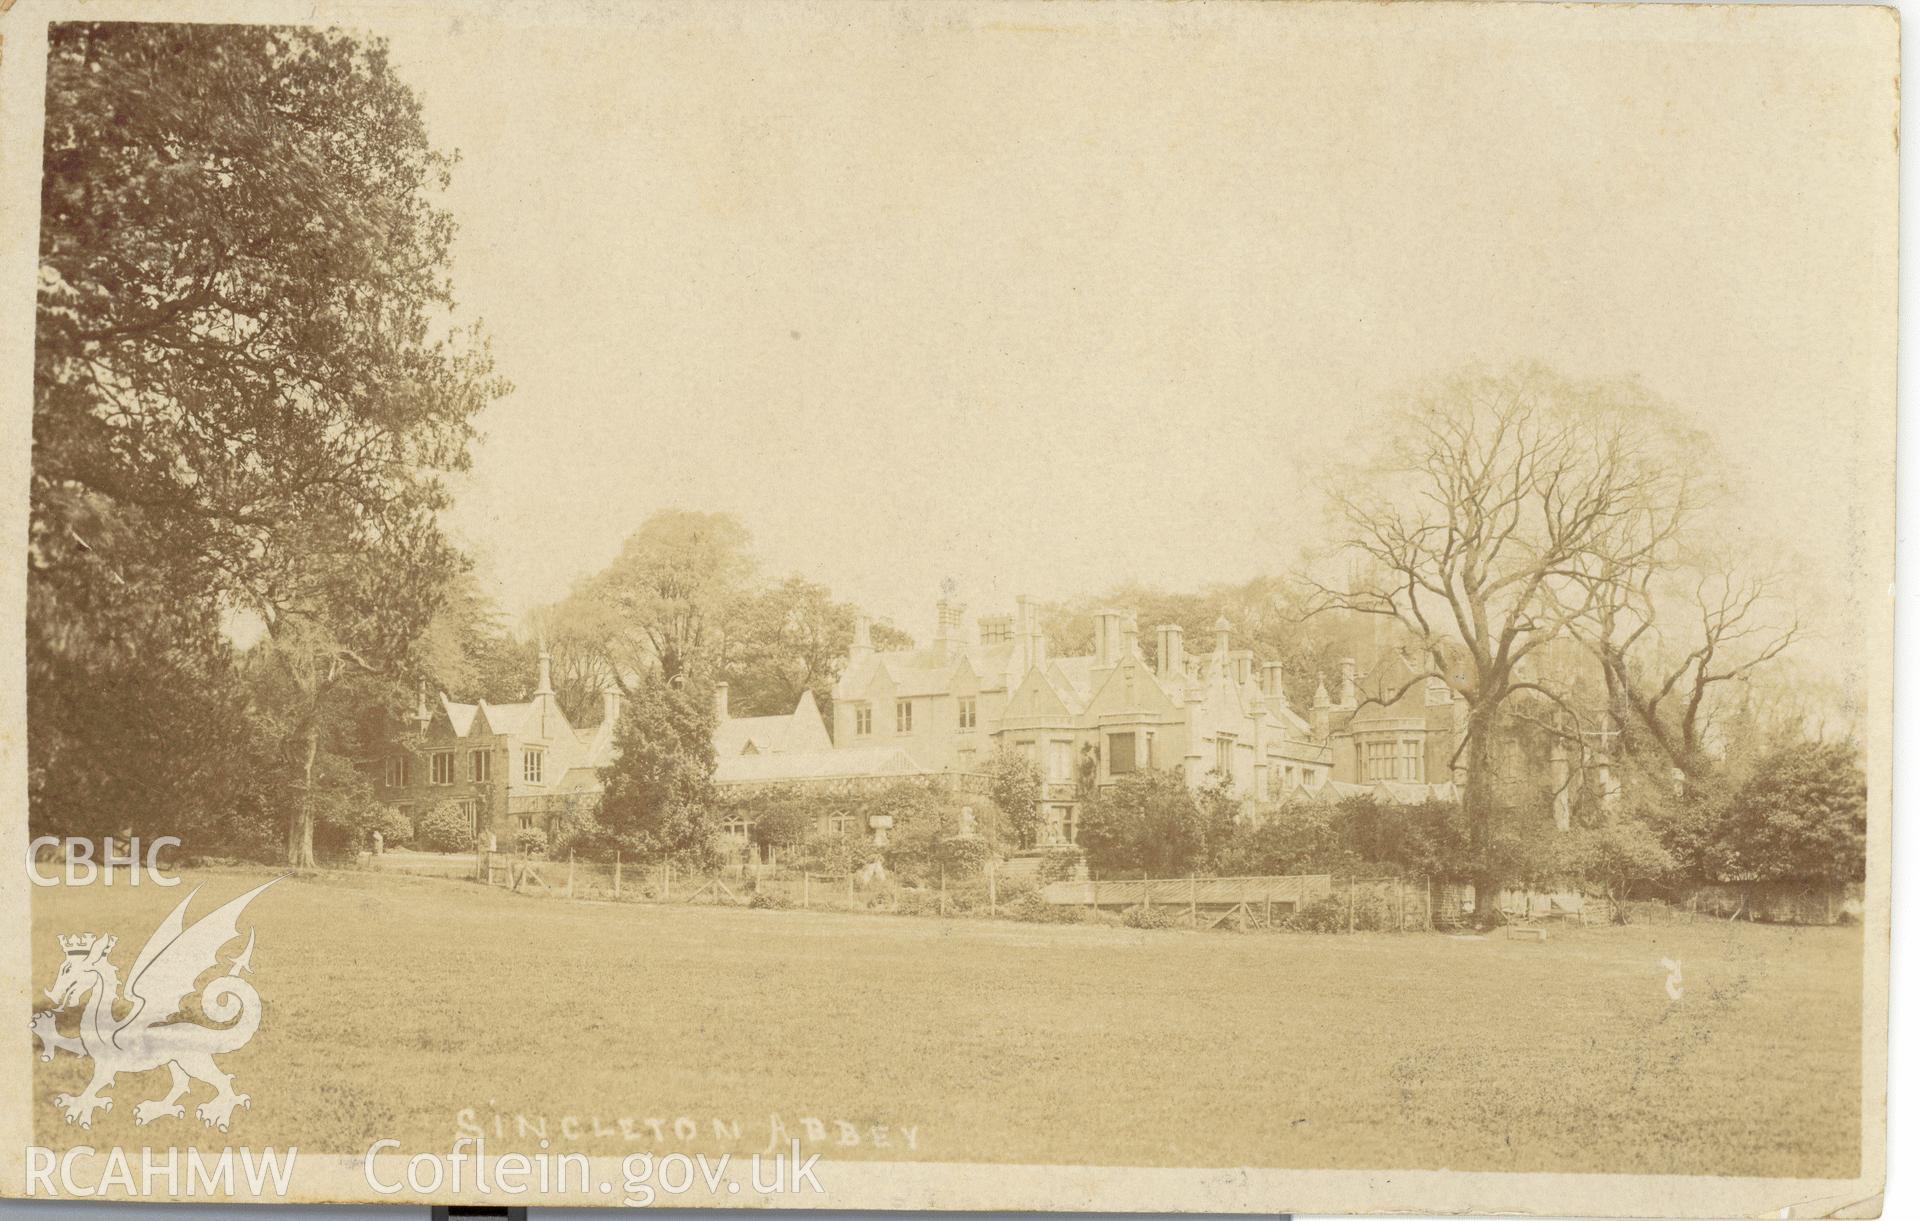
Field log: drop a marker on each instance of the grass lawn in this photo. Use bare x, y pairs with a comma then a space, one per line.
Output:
393, 1003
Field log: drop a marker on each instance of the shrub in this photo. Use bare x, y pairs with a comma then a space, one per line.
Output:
919, 902
530, 841
1327, 915
1008, 889
963, 855
840, 853
1060, 865
445, 828
1103, 919
1033, 909
769, 900
395, 828
1149, 917
1014, 784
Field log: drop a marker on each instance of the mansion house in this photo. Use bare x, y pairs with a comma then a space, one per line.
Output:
1087, 720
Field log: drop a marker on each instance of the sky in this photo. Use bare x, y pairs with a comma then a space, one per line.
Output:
946, 292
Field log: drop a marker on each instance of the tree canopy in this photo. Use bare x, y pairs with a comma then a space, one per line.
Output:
248, 384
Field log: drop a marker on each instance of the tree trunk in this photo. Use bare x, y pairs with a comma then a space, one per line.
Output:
1477, 801
300, 831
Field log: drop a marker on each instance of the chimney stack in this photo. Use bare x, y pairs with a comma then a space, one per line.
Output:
946, 626
1106, 637
862, 647
546, 672
1243, 666
1129, 635
1024, 630
1273, 681
1349, 689
720, 700
1222, 636
610, 702
420, 711
1172, 659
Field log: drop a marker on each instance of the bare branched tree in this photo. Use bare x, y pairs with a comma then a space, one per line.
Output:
1491, 520
1665, 639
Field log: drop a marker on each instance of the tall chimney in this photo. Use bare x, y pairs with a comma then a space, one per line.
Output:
720, 700
610, 702
1024, 632
1173, 654
946, 627
1222, 634
546, 673
420, 711
1243, 666
1129, 635
1106, 637
1349, 689
1273, 680
862, 647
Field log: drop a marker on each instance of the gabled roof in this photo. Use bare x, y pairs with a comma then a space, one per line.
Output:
851, 763
1073, 678
460, 716
596, 744
1129, 687
929, 670
1041, 696
802, 729
758, 735
509, 718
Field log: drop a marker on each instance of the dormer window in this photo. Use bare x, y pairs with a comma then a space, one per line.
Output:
903, 716
969, 712
862, 720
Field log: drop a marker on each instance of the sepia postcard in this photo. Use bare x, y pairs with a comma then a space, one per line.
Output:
1102, 607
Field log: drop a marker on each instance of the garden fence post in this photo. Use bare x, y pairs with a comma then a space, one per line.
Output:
1400, 901
943, 890
616, 873
993, 891
806, 890
1146, 891
1193, 900
1350, 882
850, 889
1269, 908
666, 879
569, 873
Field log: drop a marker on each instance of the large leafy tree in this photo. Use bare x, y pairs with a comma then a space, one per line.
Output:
245, 372
786, 639
659, 802
792, 637
1151, 822
1015, 785
1801, 816
662, 608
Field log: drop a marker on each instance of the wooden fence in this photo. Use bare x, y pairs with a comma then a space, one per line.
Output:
571, 878
1200, 900
1360, 904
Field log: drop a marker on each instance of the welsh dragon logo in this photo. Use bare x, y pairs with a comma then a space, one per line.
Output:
163, 977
